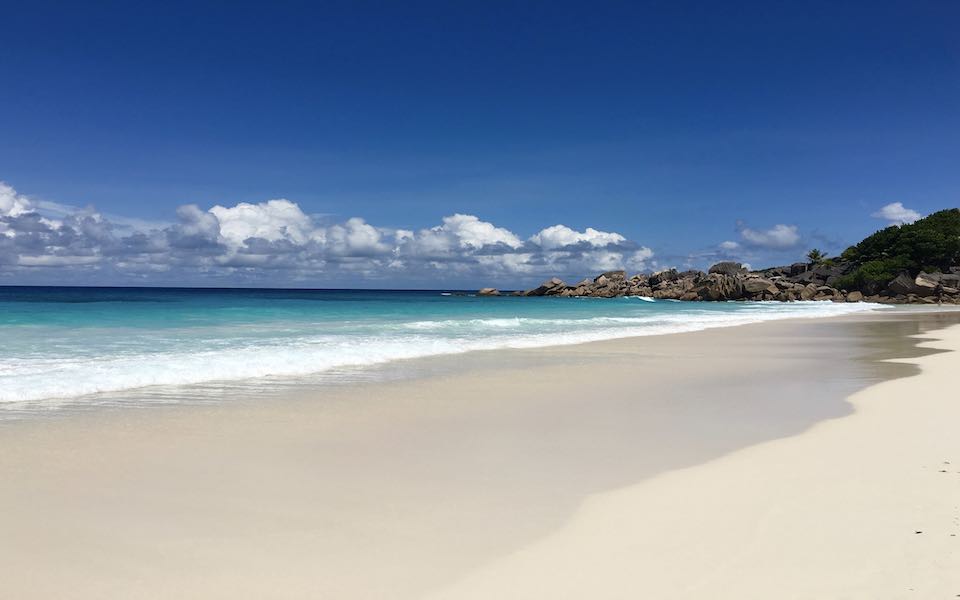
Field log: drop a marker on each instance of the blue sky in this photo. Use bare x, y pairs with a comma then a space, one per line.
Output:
679, 132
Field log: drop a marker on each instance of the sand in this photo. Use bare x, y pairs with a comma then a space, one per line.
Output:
724, 463
865, 506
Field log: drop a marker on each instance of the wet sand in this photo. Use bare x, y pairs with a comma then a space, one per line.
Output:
409, 488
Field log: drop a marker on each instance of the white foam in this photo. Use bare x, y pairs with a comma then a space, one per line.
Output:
44, 378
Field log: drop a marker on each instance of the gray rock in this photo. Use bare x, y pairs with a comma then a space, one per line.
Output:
926, 284
488, 292
662, 276
808, 292
728, 268
950, 280
717, 286
553, 284
902, 285
854, 297
615, 275
757, 285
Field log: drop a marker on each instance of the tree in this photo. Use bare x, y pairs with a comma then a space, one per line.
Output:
816, 257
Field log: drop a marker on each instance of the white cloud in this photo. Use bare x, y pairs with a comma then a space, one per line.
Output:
272, 220
778, 237
57, 261
249, 241
558, 236
356, 238
729, 245
897, 214
12, 204
471, 232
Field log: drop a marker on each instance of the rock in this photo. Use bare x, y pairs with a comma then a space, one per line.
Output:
717, 286
693, 274
926, 284
551, 285
731, 281
808, 292
668, 294
757, 285
662, 276
783, 284
615, 275
728, 268
902, 284
828, 273
808, 277
950, 280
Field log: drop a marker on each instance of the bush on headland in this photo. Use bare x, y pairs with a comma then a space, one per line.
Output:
930, 245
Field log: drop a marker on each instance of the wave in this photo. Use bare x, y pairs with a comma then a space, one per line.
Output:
37, 378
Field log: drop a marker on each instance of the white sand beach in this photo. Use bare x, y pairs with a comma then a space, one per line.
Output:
725, 463
863, 506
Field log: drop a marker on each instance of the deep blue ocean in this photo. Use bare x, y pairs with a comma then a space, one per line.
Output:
76, 343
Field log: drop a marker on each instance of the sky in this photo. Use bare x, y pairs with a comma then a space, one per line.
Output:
463, 144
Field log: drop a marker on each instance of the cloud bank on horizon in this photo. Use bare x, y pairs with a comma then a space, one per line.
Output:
275, 242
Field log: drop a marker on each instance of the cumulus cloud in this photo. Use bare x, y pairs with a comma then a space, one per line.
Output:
778, 237
11, 203
272, 221
275, 241
471, 232
559, 236
897, 214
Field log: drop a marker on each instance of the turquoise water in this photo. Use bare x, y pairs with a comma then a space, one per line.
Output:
79, 342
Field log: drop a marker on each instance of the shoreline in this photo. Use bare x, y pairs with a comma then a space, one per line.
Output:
393, 369
398, 489
860, 506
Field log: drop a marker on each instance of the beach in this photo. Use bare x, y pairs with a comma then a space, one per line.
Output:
790, 459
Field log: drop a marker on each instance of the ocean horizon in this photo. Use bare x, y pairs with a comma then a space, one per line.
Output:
77, 344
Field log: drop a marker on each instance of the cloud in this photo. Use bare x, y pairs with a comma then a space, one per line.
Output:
473, 233
355, 238
559, 236
11, 203
778, 237
275, 242
897, 214
272, 221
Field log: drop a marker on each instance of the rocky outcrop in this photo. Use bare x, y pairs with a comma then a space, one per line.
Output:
731, 281
728, 268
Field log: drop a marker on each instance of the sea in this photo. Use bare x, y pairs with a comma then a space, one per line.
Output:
70, 347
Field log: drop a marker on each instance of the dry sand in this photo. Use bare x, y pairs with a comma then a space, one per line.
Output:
723, 463
865, 506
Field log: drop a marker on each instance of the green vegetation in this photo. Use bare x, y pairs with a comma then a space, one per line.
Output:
930, 244
816, 257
